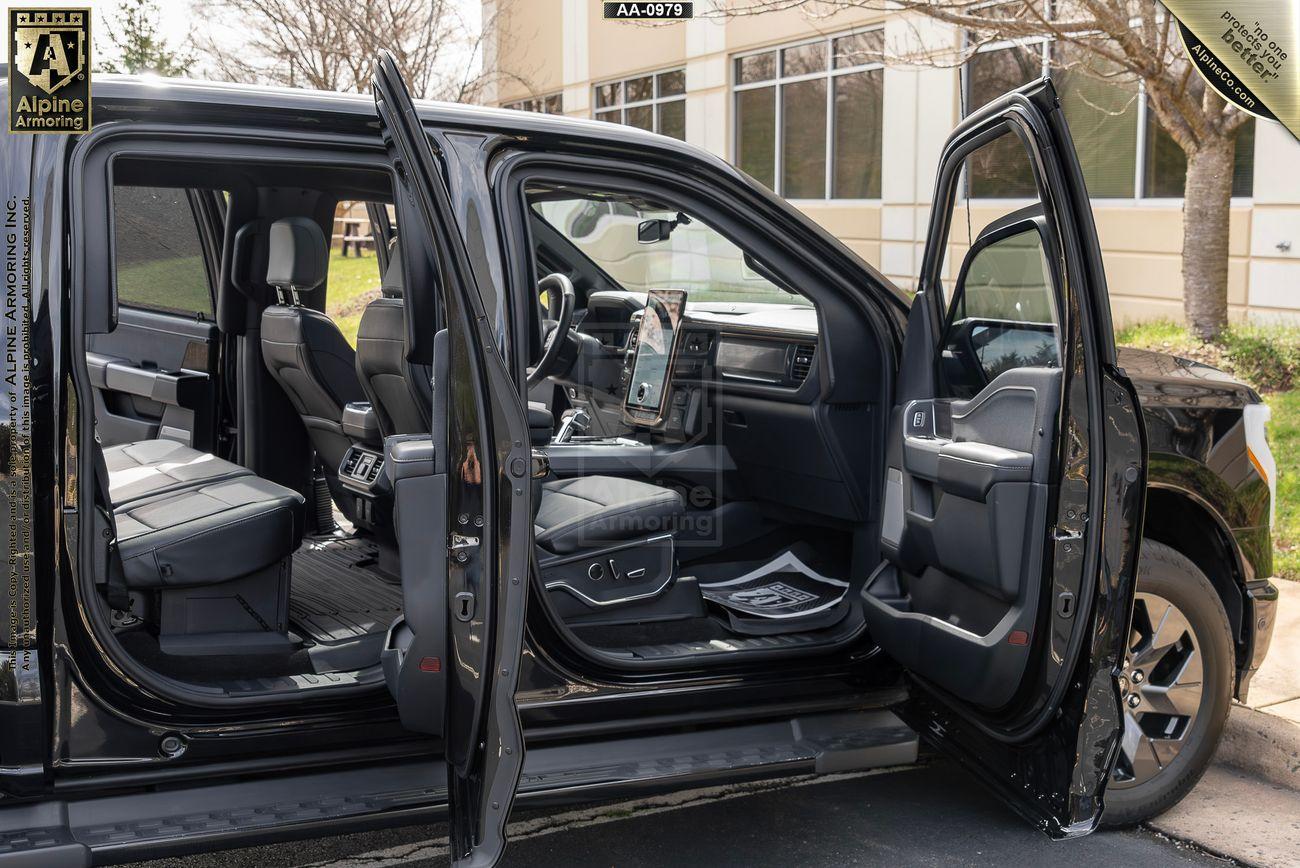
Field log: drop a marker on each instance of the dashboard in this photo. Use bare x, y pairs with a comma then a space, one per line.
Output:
749, 381
760, 350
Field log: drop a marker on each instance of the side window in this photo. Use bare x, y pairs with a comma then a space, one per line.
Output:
354, 278
1001, 312
159, 259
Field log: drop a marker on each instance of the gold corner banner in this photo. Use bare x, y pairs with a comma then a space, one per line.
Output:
1248, 51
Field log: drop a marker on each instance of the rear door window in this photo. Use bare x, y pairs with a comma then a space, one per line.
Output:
159, 257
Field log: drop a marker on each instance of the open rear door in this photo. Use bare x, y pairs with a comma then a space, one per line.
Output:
1016, 475
465, 597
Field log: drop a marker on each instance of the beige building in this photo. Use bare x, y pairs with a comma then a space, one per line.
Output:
803, 103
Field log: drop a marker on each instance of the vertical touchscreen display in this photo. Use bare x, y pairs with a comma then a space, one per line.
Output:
656, 341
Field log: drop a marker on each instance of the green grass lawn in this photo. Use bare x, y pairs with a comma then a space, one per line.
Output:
353, 283
181, 284
1268, 359
1284, 440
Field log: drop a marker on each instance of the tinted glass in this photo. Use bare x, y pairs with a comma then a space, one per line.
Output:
1102, 115
159, 260
857, 151
989, 74
804, 59
1005, 315
1165, 171
803, 136
672, 83
639, 89
672, 119
694, 257
756, 67
1002, 169
641, 117
608, 94
1008, 280
858, 49
756, 133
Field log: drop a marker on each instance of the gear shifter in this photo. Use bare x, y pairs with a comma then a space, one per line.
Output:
574, 422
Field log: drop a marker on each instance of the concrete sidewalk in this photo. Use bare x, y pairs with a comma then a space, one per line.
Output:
1262, 737
1247, 807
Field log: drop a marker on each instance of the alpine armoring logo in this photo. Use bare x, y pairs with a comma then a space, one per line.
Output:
49, 70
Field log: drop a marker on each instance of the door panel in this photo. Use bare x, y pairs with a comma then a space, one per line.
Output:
967, 515
487, 547
155, 376
1004, 600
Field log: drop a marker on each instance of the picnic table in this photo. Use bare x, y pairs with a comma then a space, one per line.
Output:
351, 236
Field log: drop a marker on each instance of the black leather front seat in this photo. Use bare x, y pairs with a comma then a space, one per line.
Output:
570, 514
303, 349
399, 389
594, 511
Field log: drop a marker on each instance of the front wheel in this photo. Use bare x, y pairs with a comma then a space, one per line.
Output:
1176, 687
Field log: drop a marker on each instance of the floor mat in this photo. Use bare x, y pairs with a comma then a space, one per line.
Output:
784, 587
335, 595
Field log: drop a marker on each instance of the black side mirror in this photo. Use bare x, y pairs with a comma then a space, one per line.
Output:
653, 231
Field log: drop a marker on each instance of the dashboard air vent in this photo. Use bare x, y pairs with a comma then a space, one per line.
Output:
803, 361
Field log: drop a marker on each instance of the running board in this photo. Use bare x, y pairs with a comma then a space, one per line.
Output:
202, 817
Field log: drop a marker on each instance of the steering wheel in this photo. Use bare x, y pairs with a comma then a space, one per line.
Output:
558, 323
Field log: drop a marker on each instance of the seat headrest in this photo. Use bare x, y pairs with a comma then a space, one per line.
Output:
391, 286
298, 254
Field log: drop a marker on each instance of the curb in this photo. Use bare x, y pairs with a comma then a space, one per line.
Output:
1262, 745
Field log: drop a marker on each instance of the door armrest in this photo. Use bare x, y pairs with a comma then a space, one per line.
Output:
407, 456
970, 469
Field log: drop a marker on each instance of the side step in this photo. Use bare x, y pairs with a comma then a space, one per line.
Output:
822, 743
206, 817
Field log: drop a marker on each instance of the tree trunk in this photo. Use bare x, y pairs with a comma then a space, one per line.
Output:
1207, 197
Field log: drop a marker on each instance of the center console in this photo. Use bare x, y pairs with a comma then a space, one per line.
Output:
361, 471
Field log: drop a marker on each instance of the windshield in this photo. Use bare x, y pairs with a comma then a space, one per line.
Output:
693, 256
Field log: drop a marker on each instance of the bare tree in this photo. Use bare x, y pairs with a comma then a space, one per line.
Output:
330, 44
141, 47
1114, 40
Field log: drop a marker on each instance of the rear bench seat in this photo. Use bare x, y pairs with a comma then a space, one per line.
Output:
213, 540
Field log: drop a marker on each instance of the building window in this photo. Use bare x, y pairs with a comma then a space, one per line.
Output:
1105, 117
808, 117
551, 104
655, 102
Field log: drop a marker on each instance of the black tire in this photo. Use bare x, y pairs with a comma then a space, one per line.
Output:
1169, 574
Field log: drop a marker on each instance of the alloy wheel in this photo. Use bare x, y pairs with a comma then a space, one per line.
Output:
1160, 689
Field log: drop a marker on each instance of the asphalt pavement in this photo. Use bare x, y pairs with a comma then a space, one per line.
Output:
928, 815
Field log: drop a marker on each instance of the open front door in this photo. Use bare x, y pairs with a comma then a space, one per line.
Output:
1016, 475
465, 535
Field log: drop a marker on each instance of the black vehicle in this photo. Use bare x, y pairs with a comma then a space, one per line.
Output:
632, 466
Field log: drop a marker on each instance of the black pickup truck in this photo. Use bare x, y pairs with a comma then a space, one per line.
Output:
631, 477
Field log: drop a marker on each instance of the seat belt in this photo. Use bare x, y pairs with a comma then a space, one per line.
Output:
108, 563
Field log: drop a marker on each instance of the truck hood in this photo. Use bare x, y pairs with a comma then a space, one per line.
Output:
1162, 378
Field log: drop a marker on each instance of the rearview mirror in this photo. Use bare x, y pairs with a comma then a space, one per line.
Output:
652, 231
